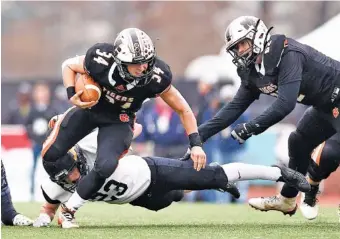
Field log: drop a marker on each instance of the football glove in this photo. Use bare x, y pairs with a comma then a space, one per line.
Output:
242, 132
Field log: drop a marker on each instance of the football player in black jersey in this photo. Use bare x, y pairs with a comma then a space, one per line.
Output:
128, 72
326, 160
292, 72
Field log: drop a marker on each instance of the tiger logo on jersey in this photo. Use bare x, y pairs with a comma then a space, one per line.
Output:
124, 117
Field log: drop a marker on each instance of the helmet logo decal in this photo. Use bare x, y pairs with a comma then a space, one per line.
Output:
137, 49
247, 23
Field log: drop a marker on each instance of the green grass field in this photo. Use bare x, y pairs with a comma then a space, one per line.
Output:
98, 220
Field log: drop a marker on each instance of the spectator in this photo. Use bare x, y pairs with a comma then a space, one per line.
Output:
60, 102
163, 127
19, 109
230, 150
207, 107
37, 124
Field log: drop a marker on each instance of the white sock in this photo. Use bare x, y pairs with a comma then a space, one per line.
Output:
75, 202
241, 171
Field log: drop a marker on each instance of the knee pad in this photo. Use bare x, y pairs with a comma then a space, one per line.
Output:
314, 172
105, 168
328, 163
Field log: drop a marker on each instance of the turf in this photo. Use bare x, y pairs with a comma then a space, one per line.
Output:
99, 220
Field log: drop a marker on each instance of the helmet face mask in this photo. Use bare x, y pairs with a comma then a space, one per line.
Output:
246, 28
133, 46
244, 59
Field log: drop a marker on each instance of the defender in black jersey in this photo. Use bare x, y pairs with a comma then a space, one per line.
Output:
326, 160
128, 72
292, 72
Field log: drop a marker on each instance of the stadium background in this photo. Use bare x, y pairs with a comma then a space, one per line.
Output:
38, 36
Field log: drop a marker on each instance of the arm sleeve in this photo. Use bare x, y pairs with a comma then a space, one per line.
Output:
229, 113
289, 80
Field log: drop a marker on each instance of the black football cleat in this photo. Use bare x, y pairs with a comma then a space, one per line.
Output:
294, 179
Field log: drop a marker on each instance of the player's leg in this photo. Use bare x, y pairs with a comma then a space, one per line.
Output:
113, 143
170, 177
9, 216
311, 130
174, 174
158, 201
326, 159
242, 171
71, 127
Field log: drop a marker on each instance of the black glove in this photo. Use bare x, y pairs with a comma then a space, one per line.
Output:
242, 132
186, 156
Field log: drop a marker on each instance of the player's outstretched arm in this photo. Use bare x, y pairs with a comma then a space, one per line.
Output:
289, 80
229, 113
176, 101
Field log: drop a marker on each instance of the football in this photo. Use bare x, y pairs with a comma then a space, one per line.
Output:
91, 89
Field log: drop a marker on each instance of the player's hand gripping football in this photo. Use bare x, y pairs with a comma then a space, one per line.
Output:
75, 99
198, 156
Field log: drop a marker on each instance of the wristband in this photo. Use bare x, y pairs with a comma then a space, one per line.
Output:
195, 140
71, 91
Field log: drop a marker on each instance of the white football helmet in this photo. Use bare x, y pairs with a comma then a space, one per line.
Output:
246, 27
133, 46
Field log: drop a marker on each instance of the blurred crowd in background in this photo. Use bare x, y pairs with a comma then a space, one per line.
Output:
38, 36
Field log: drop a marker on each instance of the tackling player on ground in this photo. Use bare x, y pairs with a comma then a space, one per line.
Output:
128, 72
149, 182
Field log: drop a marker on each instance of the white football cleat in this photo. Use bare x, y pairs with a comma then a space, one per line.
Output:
309, 203
21, 220
66, 218
276, 203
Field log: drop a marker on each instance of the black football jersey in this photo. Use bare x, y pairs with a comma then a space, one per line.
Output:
317, 73
119, 95
336, 137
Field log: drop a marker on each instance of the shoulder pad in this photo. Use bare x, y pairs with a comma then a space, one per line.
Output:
98, 58
161, 79
273, 54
